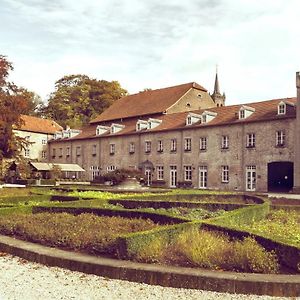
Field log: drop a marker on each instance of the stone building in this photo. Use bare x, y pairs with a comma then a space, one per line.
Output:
37, 132
183, 136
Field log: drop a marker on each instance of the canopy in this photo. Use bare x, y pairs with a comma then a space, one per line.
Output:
63, 167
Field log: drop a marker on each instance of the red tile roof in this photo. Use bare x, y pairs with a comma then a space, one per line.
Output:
34, 124
146, 103
226, 115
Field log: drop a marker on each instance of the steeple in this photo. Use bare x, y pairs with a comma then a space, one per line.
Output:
218, 98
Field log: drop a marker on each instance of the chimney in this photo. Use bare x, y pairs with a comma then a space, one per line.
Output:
297, 138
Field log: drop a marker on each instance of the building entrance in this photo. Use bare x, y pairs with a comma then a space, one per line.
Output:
280, 176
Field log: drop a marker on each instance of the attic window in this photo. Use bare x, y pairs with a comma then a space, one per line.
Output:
246, 111
208, 116
188, 104
192, 118
152, 123
281, 108
141, 124
199, 95
102, 129
114, 128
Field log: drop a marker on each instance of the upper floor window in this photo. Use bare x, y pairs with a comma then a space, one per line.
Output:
131, 147
26, 152
147, 146
60, 152
173, 145
187, 144
94, 150
203, 143
53, 152
68, 151
225, 142
78, 151
281, 108
242, 114
250, 143
188, 120
44, 142
44, 154
188, 173
160, 146
112, 149
160, 172
280, 138
225, 174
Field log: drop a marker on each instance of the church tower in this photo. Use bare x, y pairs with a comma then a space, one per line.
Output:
218, 98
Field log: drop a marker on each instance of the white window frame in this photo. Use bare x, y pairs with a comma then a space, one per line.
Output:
94, 150
225, 142
225, 174
112, 148
250, 143
203, 143
187, 144
131, 147
44, 154
26, 152
160, 146
147, 146
188, 173
251, 178
111, 168
280, 138
173, 145
160, 172
281, 108
242, 114
68, 151
44, 142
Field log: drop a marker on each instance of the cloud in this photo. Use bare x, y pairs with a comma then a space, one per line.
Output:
155, 44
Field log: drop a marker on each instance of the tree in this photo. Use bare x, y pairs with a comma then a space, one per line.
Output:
12, 105
77, 99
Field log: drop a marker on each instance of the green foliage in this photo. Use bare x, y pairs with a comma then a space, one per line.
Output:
85, 232
77, 99
280, 225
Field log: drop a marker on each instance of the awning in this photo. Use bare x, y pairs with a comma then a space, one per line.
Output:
64, 167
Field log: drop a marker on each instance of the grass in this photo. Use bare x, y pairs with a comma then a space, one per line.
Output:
85, 232
280, 225
200, 248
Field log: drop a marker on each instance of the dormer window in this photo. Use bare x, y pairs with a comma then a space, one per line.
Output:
141, 124
57, 135
102, 129
114, 128
192, 118
152, 123
208, 116
246, 111
281, 108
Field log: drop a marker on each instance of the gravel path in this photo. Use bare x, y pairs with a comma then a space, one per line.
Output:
20, 279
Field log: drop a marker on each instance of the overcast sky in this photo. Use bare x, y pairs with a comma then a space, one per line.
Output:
155, 43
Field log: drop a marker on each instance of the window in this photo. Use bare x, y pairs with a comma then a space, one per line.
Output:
111, 168
26, 152
43, 154
250, 140
53, 153
78, 151
112, 149
173, 145
282, 108
131, 148
95, 170
60, 152
225, 174
44, 142
160, 147
280, 138
94, 150
188, 173
147, 146
188, 120
187, 144
242, 114
225, 142
203, 143
68, 151
160, 172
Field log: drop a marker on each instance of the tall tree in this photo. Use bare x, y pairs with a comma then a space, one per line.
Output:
77, 99
12, 104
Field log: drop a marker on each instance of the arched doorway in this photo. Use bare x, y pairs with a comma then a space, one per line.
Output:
280, 176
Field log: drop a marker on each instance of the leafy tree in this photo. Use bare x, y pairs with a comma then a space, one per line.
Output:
77, 99
12, 104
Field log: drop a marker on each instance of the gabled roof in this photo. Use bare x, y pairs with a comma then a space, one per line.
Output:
146, 103
34, 124
226, 115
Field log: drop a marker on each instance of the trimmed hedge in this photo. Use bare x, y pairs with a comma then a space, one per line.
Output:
16, 209
134, 214
24, 199
132, 204
62, 198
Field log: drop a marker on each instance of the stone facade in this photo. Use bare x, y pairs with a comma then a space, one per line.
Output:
225, 152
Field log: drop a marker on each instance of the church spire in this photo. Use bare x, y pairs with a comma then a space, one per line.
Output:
218, 98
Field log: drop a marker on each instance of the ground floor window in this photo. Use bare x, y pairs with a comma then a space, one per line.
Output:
187, 173
111, 168
173, 176
251, 178
225, 174
160, 172
95, 171
203, 177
